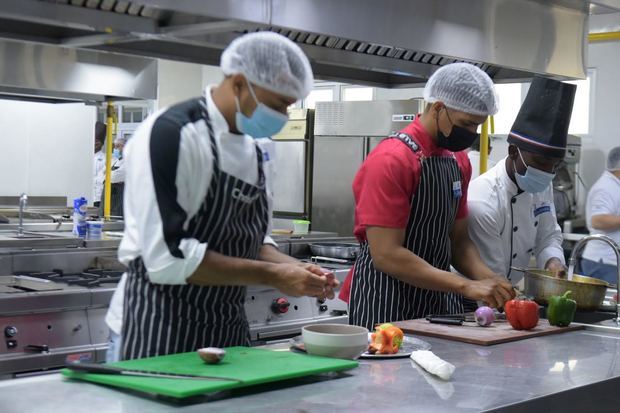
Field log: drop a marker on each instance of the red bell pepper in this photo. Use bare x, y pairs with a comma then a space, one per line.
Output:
522, 314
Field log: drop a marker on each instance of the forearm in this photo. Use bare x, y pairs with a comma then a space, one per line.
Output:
269, 253
410, 268
606, 222
466, 259
219, 269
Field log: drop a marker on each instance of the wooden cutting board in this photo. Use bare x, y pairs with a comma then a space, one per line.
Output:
499, 332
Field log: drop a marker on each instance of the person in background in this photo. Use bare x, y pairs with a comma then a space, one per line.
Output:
99, 163
198, 208
411, 210
511, 211
117, 179
474, 158
603, 217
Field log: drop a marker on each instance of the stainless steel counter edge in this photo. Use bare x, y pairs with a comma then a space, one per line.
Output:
581, 367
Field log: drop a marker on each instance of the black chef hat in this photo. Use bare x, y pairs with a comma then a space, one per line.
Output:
542, 123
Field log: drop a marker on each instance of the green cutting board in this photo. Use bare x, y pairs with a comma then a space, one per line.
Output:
250, 365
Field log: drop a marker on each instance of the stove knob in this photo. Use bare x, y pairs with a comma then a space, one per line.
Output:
280, 305
10, 331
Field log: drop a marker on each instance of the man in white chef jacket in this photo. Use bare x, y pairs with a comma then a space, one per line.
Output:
512, 215
603, 217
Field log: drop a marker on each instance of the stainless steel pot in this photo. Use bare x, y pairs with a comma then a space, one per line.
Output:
342, 250
588, 292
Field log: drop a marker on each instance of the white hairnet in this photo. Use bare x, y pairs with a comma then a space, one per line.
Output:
271, 61
120, 139
462, 87
613, 159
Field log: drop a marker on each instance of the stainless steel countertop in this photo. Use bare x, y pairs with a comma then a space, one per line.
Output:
485, 378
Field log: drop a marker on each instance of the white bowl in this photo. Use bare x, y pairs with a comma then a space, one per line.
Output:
335, 340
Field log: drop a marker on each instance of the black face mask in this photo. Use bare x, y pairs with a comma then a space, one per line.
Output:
459, 138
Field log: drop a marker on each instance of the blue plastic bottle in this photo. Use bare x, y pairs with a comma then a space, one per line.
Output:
79, 217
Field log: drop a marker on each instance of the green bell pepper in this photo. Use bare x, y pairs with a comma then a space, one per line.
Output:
561, 310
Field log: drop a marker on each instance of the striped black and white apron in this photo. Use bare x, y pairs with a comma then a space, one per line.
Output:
166, 319
377, 297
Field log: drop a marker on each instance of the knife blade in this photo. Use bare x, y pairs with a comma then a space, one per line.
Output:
445, 320
94, 368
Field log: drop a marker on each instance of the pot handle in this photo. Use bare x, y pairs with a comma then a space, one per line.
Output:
519, 269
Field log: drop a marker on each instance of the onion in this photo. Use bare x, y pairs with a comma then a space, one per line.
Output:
484, 316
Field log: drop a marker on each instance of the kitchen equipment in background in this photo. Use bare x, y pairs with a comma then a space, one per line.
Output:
293, 165
566, 186
499, 332
344, 134
587, 291
301, 226
249, 366
48, 299
338, 250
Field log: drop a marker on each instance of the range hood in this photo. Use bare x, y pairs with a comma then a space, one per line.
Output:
388, 43
52, 74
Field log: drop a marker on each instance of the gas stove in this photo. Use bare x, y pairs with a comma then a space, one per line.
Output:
50, 316
90, 277
273, 315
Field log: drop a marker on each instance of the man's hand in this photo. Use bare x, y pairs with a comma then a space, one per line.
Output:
304, 279
556, 267
493, 291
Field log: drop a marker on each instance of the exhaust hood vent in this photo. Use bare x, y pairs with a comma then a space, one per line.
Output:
389, 43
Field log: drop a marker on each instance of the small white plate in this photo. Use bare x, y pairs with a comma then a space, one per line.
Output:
410, 344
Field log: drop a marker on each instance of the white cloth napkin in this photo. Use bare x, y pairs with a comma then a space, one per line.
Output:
433, 364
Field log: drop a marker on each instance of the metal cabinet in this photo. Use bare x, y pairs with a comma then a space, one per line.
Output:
336, 161
290, 183
345, 132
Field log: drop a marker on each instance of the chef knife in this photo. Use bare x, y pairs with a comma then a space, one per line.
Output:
445, 320
94, 368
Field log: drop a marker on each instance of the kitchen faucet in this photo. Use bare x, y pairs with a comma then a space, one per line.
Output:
599, 237
23, 202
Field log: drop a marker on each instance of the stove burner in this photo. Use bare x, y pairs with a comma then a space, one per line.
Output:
91, 277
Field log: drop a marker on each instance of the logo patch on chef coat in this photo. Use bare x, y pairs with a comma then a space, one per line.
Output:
544, 207
265, 156
239, 195
456, 189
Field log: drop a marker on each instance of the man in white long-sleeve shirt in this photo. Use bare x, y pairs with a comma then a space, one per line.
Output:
511, 210
99, 163
198, 204
603, 217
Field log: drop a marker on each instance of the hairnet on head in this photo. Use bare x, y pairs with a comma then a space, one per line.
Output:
613, 159
270, 61
462, 87
120, 139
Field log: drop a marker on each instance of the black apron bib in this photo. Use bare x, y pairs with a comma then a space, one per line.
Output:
166, 319
377, 297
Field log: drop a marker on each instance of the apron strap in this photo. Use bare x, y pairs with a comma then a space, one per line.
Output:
406, 139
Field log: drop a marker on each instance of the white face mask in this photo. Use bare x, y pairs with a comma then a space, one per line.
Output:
534, 180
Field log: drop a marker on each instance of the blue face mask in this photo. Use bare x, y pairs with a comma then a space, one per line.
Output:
116, 153
264, 122
534, 180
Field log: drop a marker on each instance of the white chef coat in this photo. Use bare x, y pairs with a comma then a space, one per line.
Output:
474, 159
144, 234
117, 175
98, 175
509, 227
603, 199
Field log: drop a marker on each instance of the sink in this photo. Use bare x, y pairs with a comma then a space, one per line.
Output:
592, 317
